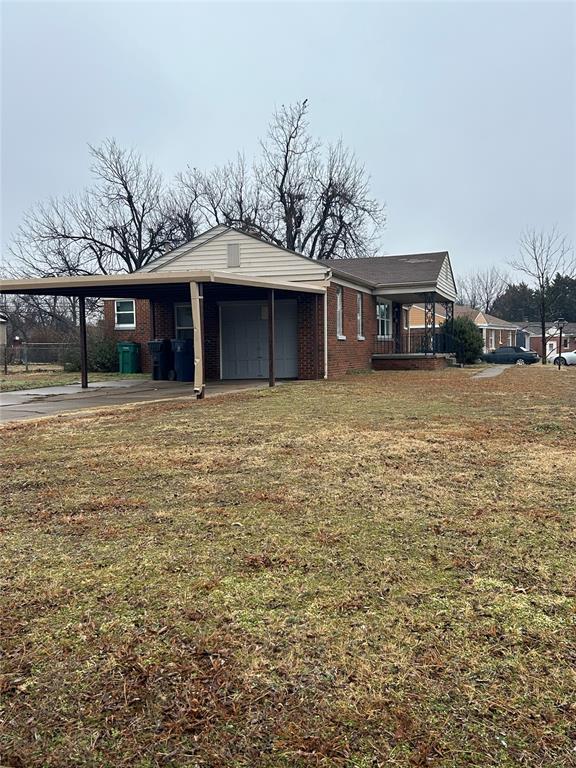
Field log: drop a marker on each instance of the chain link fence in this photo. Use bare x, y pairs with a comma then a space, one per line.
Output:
31, 355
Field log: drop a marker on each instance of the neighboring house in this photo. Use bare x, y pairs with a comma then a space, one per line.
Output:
530, 336
223, 288
495, 331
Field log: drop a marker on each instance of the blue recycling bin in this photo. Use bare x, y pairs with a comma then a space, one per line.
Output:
183, 350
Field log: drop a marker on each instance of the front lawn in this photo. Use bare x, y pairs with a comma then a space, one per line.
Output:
18, 378
373, 572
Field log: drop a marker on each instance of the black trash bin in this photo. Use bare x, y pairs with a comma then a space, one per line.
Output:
183, 350
162, 359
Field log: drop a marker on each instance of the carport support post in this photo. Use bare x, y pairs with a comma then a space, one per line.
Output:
83, 346
271, 340
197, 301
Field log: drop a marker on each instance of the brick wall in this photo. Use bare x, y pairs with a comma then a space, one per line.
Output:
310, 336
536, 343
409, 364
343, 354
142, 334
350, 354
211, 338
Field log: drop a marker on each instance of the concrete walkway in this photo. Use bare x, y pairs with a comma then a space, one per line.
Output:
51, 401
490, 373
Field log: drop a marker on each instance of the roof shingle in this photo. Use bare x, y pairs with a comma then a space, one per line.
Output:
392, 270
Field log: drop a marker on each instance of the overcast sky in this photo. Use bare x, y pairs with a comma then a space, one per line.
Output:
463, 113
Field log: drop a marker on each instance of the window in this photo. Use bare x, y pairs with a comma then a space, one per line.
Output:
360, 315
384, 319
340, 312
125, 314
183, 321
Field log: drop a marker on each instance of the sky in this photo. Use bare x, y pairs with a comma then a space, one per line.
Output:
463, 113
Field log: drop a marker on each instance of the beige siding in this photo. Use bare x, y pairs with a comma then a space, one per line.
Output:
445, 282
161, 261
417, 317
257, 259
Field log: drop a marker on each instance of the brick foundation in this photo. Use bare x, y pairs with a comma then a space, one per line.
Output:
409, 363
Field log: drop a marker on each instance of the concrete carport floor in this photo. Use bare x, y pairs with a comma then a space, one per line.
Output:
53, 401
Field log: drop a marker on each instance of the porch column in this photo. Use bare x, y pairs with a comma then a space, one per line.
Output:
83, 344
448, 345
397, 326
449, 313
197, 302
271, 340
429, 323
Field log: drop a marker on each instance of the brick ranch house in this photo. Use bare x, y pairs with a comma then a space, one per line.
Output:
530, 336
258, 311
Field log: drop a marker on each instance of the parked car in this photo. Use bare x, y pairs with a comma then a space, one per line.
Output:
514, 355
566, 358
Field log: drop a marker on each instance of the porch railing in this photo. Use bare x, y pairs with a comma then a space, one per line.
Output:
417, 342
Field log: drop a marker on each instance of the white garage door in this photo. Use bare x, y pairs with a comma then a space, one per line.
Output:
244, 340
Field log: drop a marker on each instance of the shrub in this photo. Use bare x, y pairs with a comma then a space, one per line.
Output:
102, 357
467, 340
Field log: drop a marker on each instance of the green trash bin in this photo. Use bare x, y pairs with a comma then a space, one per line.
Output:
128, 357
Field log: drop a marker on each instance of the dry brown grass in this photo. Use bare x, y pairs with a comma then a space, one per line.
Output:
373, 572
42, 375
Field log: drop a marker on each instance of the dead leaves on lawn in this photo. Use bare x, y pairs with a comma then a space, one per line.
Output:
374, 572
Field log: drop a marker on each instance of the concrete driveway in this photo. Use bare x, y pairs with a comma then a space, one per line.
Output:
51, 401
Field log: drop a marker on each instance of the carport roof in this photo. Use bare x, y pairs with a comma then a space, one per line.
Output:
140, 285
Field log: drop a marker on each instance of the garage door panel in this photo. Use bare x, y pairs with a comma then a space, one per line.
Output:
244, 340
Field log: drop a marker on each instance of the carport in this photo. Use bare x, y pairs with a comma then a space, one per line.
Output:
193, 286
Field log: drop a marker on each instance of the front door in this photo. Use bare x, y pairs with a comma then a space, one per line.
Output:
244, 340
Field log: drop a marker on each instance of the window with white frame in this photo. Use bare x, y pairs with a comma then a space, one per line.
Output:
340, 312
183, 321
360, 315
384, 319
124, 313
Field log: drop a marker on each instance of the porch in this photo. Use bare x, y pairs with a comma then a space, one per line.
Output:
397, 346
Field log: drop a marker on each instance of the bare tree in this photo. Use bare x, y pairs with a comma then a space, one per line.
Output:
541, 256
483, 288
296, 195
32, 316
118, 225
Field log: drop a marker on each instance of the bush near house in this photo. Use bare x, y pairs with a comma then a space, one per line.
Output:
102, 357
467, 338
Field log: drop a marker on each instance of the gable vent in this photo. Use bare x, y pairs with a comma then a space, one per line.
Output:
233, 254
